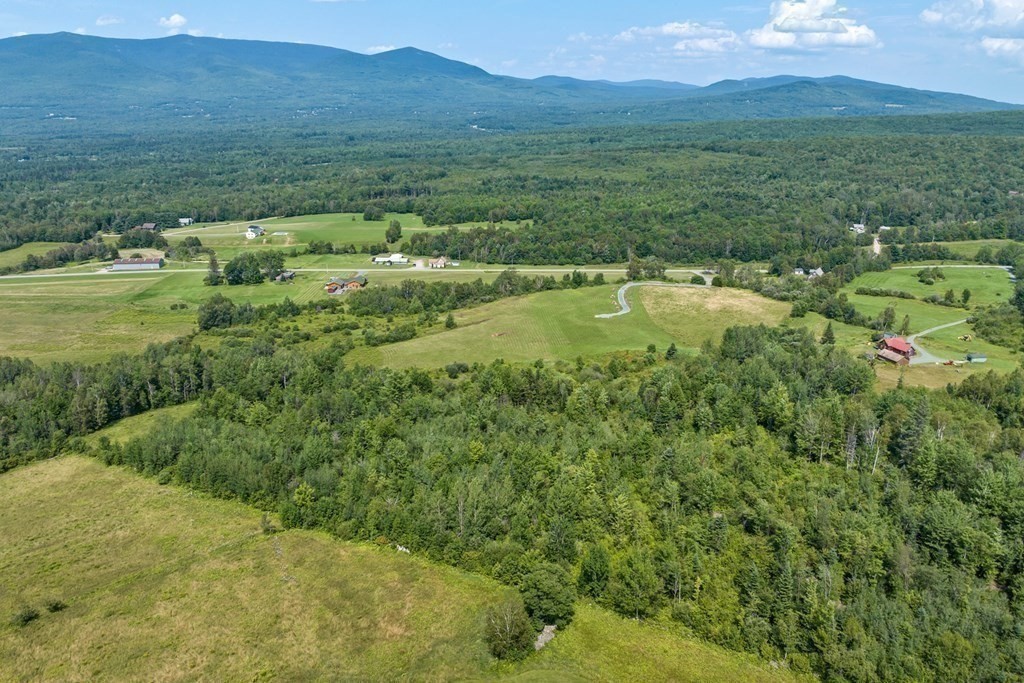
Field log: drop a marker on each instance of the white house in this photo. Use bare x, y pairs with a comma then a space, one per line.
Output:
884, 228
392, 260
254, 231
859, 228
185, 222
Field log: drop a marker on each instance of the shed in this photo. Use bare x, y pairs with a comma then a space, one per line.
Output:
975, 357
893, 357
135, 264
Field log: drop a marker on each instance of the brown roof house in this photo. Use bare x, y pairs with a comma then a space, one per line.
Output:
341, 285
896, 350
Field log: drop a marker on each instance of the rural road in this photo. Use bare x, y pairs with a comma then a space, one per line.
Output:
923, 355
494, 269
624, 307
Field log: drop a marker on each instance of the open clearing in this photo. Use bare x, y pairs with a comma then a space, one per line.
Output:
13, 257
562, 325
162, 584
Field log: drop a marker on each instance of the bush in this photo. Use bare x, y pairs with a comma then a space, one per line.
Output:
697, 279
25, 616
54, 606
549, 596
509, 633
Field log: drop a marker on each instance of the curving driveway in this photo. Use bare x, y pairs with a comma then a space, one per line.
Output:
624, 306
923, 355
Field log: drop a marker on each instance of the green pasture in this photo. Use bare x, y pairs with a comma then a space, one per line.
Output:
987, 285
92, 317
340, 228
561, 325
163, 584
969, 249
13, 257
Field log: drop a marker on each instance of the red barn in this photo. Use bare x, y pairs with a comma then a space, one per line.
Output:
896, 350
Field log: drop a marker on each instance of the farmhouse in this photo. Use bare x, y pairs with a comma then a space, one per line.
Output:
392, 260
131, 264
809, 274
285, 276
440, 262
185, 222
858, 228
254, 231
341, 285
145, 226
896, 350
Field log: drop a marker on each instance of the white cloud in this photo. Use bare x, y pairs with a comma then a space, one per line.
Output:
375, 49
976, 15
1006, 48
809, 25
688, 37
19, 34
173, 23
109, 20
80, 30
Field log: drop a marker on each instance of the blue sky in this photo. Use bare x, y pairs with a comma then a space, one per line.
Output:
970, 46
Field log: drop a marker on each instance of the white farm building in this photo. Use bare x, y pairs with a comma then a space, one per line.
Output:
132, 264
392, 260
254, 231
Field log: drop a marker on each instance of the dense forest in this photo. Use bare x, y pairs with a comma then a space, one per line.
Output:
683, 192
761, 495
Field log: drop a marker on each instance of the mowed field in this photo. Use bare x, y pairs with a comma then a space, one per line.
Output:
562, 325
92, 317
161, 584
988, 286
298, 231
13, 257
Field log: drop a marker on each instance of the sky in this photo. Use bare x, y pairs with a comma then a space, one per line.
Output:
968, 46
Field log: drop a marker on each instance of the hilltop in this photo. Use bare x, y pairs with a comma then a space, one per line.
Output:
65, 82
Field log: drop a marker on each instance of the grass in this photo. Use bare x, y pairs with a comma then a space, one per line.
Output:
163, 584
987, 285
93, 317
123, 431
969, 248
13, 257
561, 325
340, 228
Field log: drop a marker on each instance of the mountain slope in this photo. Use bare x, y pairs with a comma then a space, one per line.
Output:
111, 83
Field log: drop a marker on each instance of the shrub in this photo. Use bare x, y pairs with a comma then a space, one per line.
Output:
25, 616
509, 633
697, 279
549, 596
53, 606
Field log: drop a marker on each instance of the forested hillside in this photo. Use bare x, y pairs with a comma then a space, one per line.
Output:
760, 495
52, 82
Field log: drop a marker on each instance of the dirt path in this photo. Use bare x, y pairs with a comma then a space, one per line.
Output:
624, 306
924, 356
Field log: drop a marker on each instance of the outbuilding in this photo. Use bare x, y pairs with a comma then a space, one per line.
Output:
136, 264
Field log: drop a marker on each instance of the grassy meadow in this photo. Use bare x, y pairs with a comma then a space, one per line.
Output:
562, 325
161, 584
13, 257
92, 317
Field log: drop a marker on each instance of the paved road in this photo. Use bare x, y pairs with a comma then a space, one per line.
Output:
923, 356
624, 307
490, 269
1006, 268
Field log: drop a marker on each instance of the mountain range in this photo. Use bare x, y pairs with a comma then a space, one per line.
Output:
60, 81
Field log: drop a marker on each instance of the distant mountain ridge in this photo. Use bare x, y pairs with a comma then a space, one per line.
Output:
114, 82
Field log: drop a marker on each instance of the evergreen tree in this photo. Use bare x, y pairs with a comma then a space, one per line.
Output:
635, 589
449, 322
594, 571
829, 337
672, 351
905, 326
213, 276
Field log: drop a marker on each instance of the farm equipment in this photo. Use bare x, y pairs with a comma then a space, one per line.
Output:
966, 337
